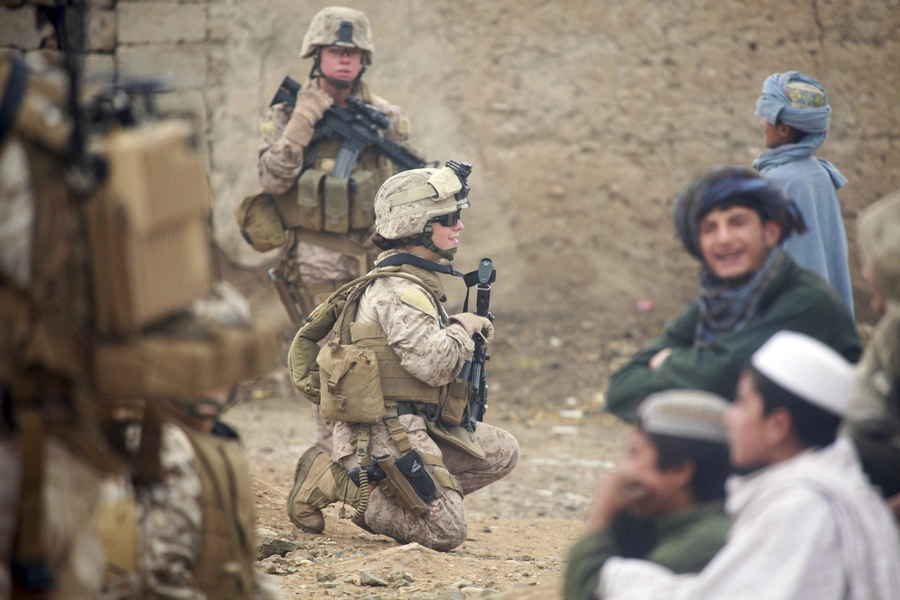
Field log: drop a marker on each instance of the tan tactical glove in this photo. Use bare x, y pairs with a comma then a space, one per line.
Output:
311, 105
475, 325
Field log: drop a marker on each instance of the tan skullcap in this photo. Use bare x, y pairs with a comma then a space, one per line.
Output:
690, 414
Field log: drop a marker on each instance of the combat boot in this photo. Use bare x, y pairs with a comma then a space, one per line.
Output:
318, 481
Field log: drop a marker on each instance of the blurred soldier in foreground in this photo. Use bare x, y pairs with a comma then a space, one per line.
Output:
192, 535
51, 448
735, 222
98, 271
665, 501
873, 418
808, 525
391, 380
796, 116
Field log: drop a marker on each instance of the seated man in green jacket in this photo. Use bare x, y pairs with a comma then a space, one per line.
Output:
735, 222
665, 502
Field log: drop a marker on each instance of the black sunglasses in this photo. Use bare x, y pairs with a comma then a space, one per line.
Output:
447, 220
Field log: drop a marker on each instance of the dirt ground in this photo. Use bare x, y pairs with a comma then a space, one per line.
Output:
519, 528
582, 119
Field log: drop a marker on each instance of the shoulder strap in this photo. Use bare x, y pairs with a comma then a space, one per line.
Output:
471, 279
405, 258
342, 326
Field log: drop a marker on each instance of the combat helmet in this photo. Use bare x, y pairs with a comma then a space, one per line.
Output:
407, 202
339, 26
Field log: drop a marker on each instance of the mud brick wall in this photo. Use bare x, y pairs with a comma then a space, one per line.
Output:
139, 39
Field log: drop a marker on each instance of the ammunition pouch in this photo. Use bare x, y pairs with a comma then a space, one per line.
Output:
454, 400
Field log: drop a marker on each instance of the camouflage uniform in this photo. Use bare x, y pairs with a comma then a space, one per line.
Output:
434, 354
69, 495
280, 164
169, 523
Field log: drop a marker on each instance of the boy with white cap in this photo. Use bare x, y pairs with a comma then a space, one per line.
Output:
807, 523
665, 501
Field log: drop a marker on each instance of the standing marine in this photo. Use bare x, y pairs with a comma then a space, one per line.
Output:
323, 255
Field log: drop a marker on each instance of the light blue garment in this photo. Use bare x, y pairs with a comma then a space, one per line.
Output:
775, 104
808, 180
823, 248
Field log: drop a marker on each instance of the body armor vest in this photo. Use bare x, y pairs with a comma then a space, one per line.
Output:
336, 205
396, 383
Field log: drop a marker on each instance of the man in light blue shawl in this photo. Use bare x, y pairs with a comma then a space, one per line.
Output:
796, 116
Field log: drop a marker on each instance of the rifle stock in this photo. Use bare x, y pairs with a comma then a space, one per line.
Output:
286, 297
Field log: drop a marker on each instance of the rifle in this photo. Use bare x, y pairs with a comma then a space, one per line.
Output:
288, 295
357, 126
473, 371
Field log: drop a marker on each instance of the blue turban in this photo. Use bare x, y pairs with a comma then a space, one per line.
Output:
799, 101
723, 187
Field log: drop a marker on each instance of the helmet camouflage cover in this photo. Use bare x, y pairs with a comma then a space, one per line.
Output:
408, 200
339, 26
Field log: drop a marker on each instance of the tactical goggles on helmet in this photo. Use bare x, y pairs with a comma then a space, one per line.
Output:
447, 220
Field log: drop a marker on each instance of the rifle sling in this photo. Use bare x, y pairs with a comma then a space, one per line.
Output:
406, 258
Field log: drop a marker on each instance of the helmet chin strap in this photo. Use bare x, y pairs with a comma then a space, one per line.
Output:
425, 240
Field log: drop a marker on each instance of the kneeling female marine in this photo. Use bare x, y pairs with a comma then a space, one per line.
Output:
389, 380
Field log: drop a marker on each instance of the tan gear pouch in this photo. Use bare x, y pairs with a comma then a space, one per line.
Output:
455, 437
397, 487
116, 526
301, 356
337, 204
362, 201
259, 222
453, 406
310, 200
350, 385
304, 350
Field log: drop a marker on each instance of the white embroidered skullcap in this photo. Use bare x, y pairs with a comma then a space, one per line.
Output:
690, 414
807, 368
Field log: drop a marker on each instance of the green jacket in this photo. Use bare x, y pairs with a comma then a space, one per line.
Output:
796, 300
683, 543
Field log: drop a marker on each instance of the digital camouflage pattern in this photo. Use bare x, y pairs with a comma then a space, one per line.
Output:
324, 30
169, 519
396, 222
69, 495
281, 161
426, 350
444, 526
433, 354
